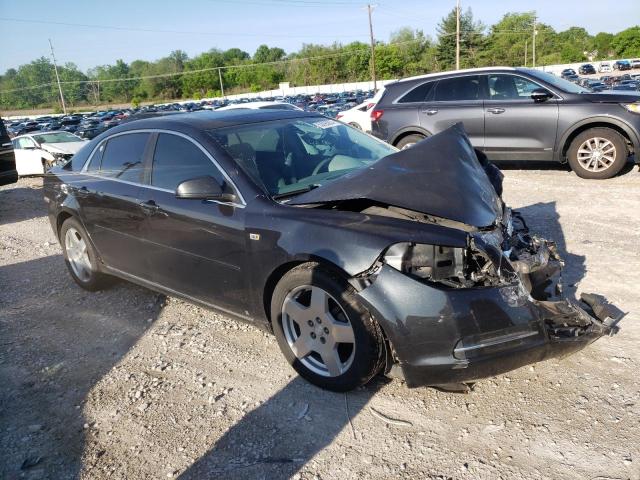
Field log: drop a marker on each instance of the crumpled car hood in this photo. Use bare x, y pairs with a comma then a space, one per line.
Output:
66, 147
439, 176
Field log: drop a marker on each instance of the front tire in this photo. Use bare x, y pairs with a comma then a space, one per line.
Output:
598, 153
328, 337
80, 257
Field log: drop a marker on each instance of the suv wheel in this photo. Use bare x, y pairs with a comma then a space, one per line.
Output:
81, 257
328, 337
409, 141
598, 153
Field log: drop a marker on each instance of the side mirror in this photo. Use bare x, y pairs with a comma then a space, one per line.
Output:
541, 95
29, 147
204, 188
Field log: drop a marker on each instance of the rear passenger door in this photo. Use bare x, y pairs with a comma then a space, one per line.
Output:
453, 100
107, 192
517, 127
195, 247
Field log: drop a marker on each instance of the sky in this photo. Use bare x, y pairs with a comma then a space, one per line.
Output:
196, 26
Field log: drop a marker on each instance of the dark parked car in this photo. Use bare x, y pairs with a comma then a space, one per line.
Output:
515, 114
622, 65
359, 257
8, 173
586, 69
568, 72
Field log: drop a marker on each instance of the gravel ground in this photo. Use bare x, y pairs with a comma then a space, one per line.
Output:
129, 384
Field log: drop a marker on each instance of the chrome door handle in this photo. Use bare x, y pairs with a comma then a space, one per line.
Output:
495, 110
431, 111
8, 144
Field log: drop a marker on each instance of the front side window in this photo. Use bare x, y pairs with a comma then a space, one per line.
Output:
285, 156
25, 142
177, 159
459, 89
559, 83
510, 87
123, 157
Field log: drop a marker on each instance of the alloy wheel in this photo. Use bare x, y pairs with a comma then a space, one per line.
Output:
77, 254
596, 154
318, 331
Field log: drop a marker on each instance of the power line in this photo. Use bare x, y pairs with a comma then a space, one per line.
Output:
181, 32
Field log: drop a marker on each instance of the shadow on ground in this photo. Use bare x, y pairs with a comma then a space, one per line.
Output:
55, 345
21, 203
274, 441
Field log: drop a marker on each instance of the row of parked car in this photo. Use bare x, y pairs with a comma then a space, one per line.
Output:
628, 82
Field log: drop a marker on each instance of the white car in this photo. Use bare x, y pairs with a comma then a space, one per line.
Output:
360, 115
260, 106
36, 152
635, 63
605, 67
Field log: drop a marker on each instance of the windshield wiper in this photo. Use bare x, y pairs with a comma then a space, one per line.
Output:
305, 189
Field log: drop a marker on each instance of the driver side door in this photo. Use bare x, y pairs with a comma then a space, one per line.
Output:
194, 247
515, 126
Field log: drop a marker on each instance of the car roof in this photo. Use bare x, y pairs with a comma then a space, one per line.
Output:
209, 120
454, 72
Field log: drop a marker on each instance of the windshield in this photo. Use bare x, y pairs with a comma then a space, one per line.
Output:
559, 83
292, 155
57, 137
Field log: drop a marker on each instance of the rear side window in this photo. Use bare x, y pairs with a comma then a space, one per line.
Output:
458, 88
418, 94
123, 157
177, 159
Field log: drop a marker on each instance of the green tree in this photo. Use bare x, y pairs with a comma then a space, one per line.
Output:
471, 40
627, 42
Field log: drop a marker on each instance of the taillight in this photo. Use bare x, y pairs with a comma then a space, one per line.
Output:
339, 116
376, 115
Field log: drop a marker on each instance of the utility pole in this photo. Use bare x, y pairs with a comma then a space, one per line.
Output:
55, 67
373, 50
220, 77
526, 43
458, 35
534, 42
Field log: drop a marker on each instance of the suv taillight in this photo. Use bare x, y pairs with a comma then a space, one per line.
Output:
376, 115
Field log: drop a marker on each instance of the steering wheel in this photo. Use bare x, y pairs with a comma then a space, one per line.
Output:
321, 164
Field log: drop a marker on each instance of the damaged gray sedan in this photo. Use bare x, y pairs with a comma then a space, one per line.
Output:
361, 259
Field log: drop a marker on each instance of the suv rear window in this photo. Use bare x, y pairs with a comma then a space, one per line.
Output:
418, 94
458, 88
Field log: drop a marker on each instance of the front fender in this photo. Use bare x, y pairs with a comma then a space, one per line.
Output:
598, 119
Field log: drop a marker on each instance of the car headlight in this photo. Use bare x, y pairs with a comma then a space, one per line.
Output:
433, 262
632, 107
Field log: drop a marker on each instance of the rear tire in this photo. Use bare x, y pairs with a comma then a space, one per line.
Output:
598, 153
355, 125
326, 335
81, 258
409, 141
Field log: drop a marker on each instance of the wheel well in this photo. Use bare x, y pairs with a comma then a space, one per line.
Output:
406, 134
60, 220
588, 126
281, 271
